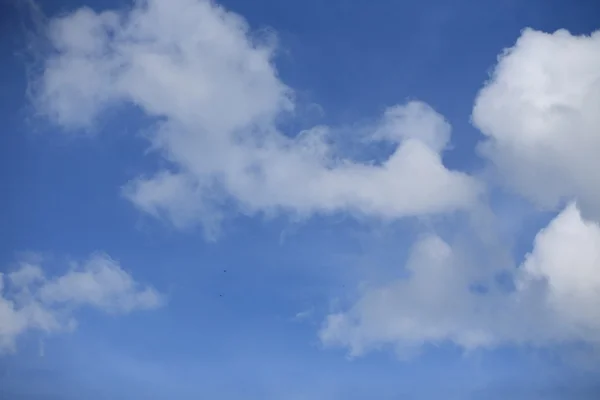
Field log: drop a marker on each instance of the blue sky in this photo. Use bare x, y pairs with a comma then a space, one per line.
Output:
300, 200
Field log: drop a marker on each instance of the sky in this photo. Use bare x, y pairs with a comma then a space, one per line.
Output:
291, 200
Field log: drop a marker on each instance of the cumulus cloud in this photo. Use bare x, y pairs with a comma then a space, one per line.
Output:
433, 305
211, 85
540, 115
556, 298
539, 112
566, 257
30, 300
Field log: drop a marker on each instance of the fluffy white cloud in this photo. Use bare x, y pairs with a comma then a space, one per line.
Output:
540, 114
567, 257
433, 305
30, 300
556, 298
212, 84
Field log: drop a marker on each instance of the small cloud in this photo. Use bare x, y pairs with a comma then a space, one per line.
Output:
30, 300
304, 315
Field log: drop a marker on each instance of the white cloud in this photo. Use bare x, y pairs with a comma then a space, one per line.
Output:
25, 275
539, 112
212, 84
556, 299
101, 283
567, 257
30, 300
433, 305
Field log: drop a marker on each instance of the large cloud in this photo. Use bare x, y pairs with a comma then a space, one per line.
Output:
556, 298
540, 113
212, 84
30, 300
